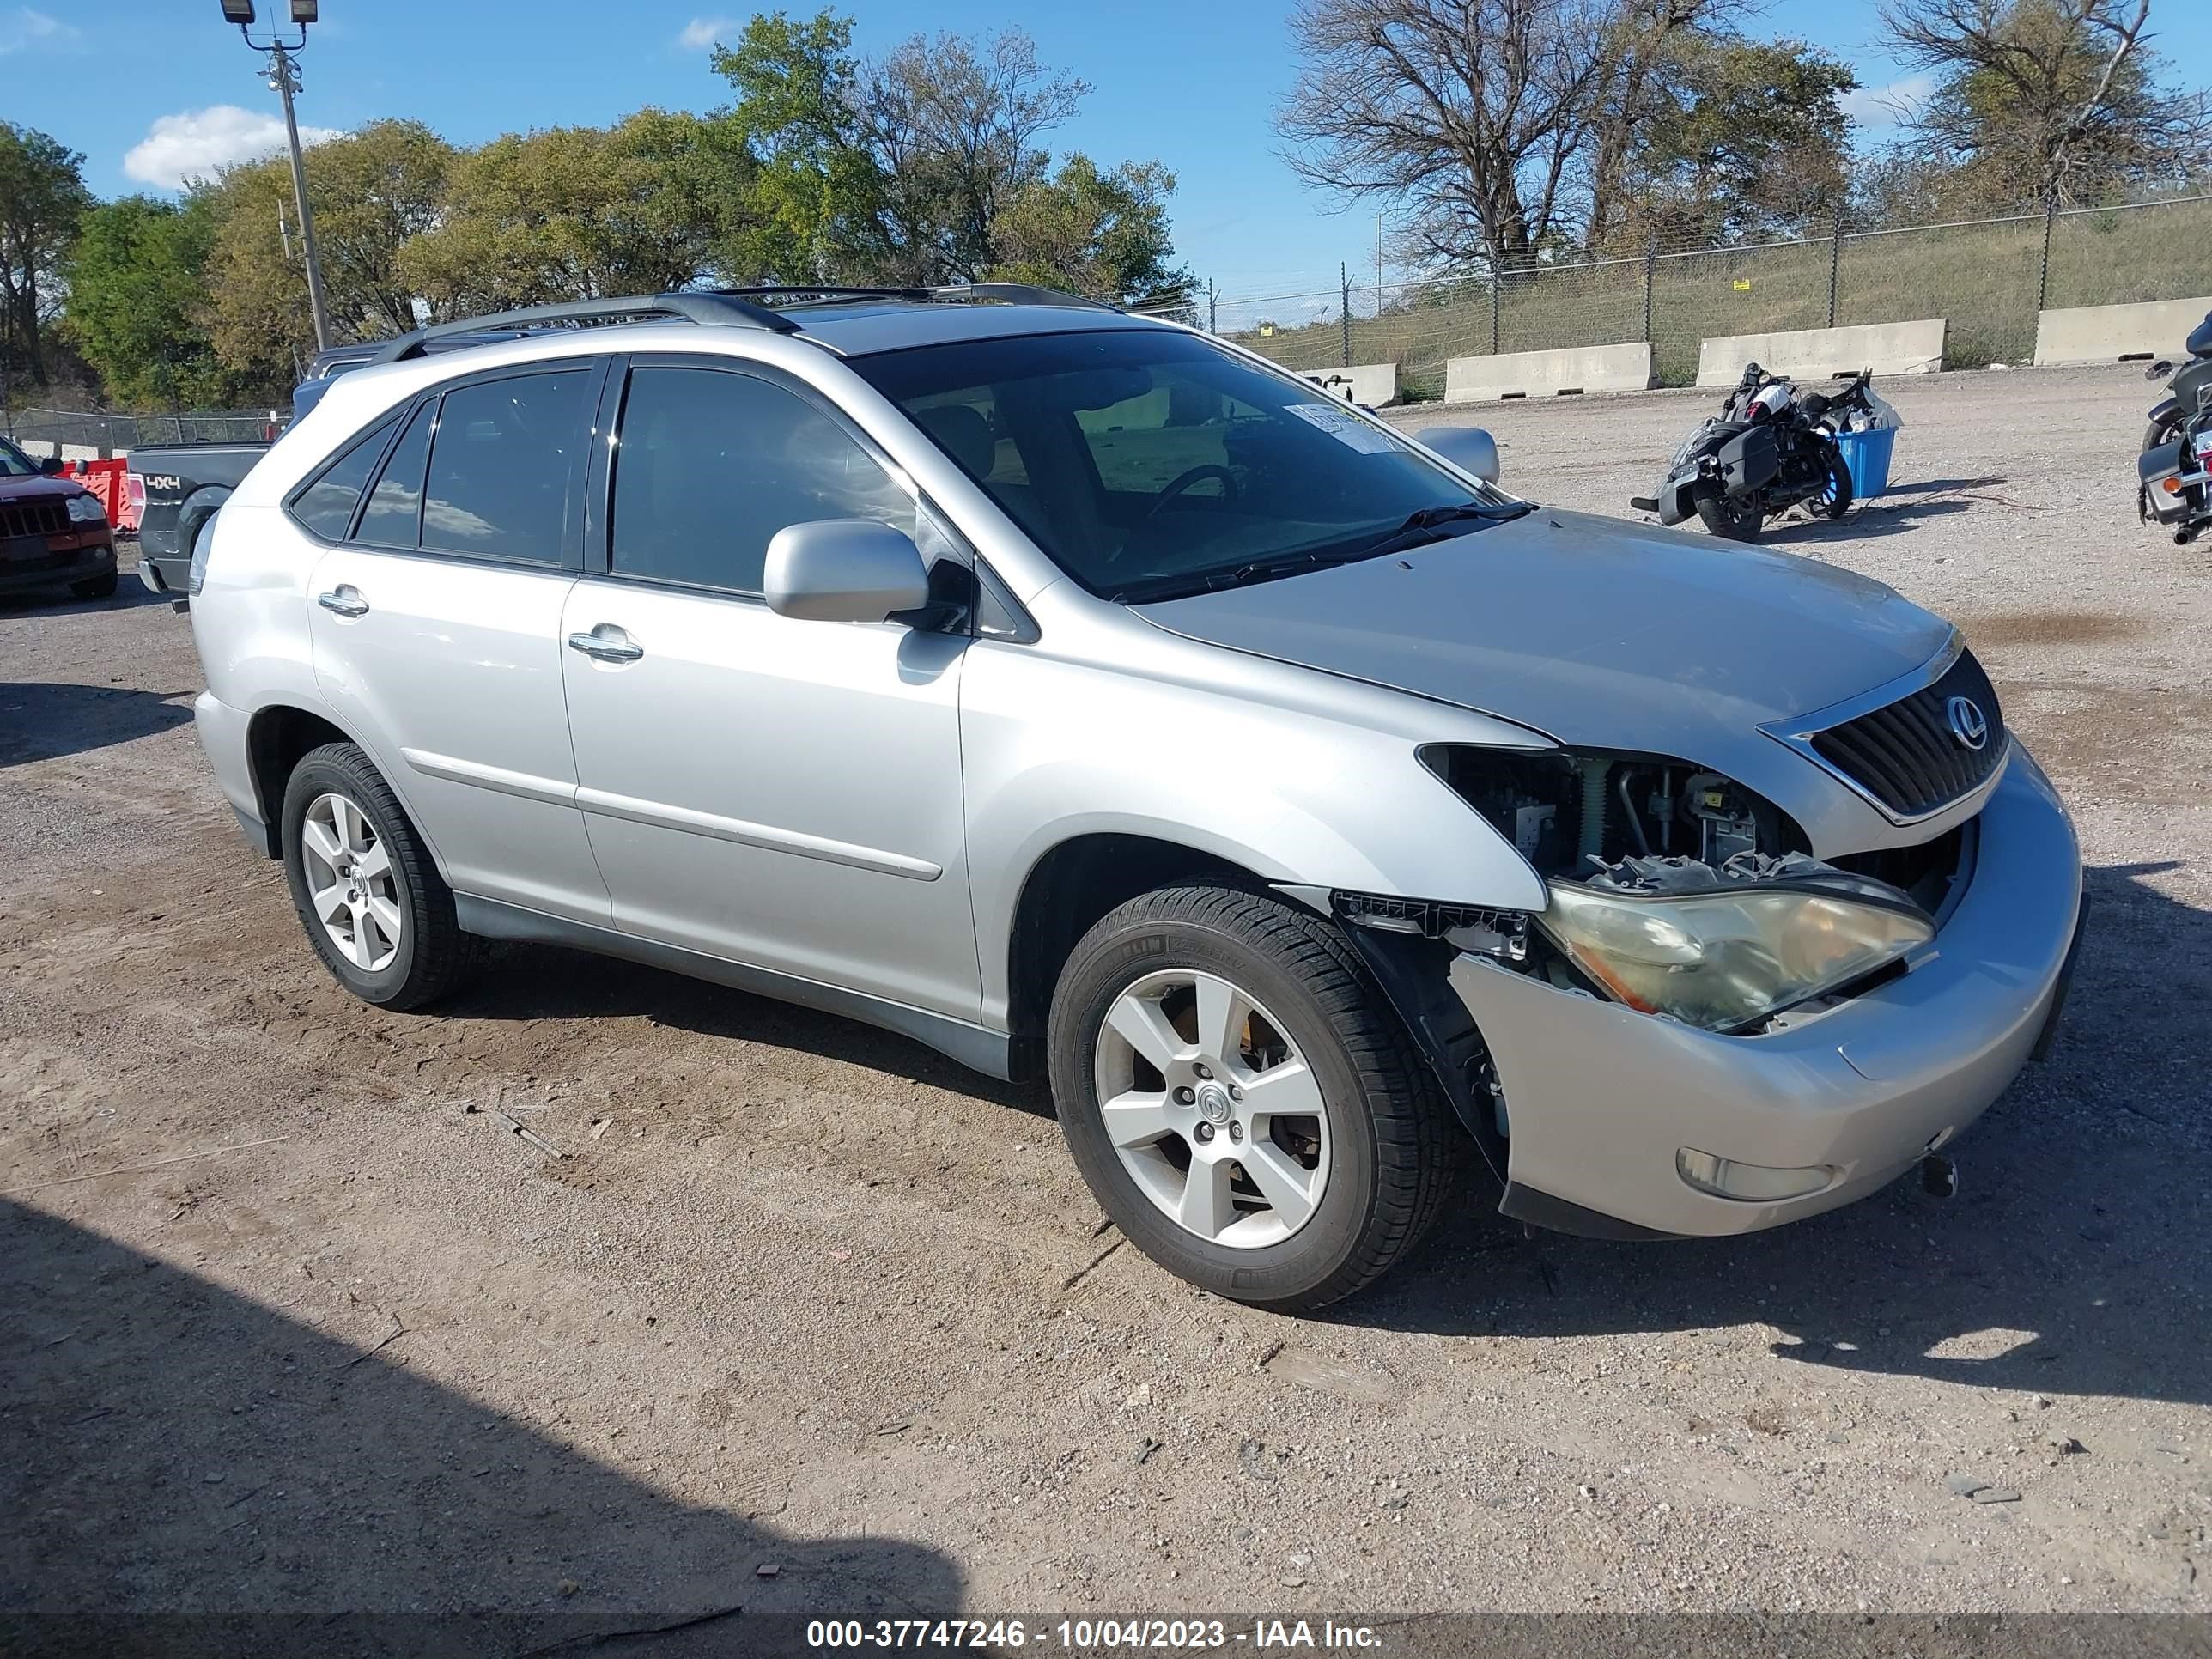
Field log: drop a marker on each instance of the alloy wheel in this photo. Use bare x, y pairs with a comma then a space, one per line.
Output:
350, 881
1210, 1108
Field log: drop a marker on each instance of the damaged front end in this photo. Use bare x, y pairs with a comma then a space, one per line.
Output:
1674, 891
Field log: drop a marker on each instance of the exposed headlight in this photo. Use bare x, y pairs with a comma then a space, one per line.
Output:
87, 509
1724, 960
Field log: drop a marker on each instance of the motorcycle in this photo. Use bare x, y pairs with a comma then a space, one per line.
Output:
2174, 472
1770, 449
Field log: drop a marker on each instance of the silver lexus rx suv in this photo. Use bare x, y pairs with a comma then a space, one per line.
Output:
1091, 700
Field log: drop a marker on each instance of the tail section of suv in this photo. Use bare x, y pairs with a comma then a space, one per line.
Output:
1097, 703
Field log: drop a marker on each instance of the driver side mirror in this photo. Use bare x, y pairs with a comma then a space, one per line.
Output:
843, 570
1469, 448
51, 466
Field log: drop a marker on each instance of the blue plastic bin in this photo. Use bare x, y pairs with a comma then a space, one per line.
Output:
1867, 455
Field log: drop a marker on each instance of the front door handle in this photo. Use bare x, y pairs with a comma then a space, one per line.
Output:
606, 643
345, 600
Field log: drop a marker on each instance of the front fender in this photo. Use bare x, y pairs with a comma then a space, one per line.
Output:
1053, 749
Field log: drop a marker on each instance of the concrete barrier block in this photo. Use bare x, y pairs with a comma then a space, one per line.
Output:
2106, 334
1811, 354
83, 453
1548, 374
39, 448
1371, 384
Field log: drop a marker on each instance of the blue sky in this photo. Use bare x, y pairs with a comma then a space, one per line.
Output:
145, 86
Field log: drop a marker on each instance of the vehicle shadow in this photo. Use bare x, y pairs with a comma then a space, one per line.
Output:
131, 594
1901, 507
2072, 1260
184, 1471
42, 718
545, 982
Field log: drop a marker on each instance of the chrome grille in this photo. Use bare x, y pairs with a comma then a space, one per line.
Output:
1905, 754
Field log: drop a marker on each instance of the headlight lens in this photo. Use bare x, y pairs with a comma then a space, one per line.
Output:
1723, 960
87, 509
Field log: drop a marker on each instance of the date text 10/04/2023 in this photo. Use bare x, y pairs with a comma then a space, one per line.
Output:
1093, 1635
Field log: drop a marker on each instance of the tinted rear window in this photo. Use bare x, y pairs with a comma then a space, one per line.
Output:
500, 466
395, 506
326, 506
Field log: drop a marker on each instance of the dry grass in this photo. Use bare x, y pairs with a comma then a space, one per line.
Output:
1983, 279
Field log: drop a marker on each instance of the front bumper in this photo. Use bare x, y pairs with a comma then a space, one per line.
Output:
30, 563
1600, 1099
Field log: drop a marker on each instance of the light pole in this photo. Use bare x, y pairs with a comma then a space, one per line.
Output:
284, 80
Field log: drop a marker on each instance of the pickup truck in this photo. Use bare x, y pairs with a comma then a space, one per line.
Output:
184, 484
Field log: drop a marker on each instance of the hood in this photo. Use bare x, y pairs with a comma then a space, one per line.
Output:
1602, 634
32, 489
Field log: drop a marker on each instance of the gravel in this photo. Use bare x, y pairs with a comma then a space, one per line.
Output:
617, 1382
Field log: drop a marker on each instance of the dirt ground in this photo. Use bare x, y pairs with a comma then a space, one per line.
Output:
800, 1295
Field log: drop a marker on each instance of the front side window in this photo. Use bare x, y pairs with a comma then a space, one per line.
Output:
14, 463
711, 464
326, 506
1148, 463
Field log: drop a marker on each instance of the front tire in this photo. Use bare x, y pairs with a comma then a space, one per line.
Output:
1242, 1100
365, 888
95, 587
1736, 521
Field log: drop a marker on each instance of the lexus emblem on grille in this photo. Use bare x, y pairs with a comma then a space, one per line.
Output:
1967, 722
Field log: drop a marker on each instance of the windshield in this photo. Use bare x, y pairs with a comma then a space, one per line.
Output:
14, 463
1147, 462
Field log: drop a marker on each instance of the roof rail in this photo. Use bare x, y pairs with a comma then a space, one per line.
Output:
1018, 294
700, 308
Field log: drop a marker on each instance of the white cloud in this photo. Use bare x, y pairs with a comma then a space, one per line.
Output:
1877, 108
198, 144
23, 28
702, 32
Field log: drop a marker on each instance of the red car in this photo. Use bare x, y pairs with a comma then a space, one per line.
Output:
53, 533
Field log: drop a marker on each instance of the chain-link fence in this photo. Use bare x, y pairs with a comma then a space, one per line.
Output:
114, 434
1988, 277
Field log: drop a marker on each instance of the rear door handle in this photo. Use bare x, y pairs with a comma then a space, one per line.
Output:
345, 600
606, 643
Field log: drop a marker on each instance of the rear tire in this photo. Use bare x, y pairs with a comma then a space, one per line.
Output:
1835, 498
1370, 1160
366, 890
96, 588
1736, 521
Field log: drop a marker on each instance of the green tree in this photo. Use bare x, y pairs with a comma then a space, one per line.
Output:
572, 213
897, 171
1747, 138
138, 302
373, 191
42, 198
1102, 234
795, 120
2043, 100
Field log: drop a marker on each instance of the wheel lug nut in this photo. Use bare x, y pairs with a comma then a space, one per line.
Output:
1236, 1130
1204, 1131
1202, 1071
1184, 1097
1236, 1093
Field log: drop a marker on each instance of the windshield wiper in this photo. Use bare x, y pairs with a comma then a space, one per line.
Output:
1419, 528
1428, 524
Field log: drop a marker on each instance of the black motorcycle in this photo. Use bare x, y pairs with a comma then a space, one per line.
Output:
2174, 472
1770, 449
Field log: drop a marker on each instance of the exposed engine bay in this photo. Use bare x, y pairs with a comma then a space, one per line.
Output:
1674, 890
1569, 814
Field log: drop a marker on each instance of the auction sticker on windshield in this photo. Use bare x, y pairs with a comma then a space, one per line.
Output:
1344, 426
